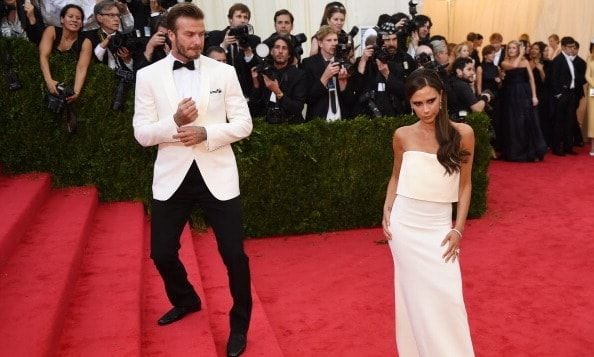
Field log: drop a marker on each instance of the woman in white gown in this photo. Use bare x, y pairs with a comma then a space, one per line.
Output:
432, 167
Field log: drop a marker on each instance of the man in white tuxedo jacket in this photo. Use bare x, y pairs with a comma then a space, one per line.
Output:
193, 108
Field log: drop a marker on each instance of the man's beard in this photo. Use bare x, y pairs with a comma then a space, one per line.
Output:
184, 51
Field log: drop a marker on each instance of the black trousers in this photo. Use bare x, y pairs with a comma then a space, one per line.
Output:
564, 120
168, 220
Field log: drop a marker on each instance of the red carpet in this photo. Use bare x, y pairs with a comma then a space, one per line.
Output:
528, 269
76, 279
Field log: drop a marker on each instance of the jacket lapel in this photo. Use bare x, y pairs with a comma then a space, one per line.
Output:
204, 86
169, 84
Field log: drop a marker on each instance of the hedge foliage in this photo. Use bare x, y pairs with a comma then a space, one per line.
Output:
313, 177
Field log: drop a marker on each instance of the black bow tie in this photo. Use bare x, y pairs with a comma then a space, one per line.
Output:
189, 65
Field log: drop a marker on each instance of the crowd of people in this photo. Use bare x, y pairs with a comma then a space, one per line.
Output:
531, 91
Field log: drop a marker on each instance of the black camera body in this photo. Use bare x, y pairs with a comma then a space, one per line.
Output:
379, 51
368, 99
125, 77
266, 68
297, 40
344, 48
242, 34
129, 41
166, 4
57, 103
410, 25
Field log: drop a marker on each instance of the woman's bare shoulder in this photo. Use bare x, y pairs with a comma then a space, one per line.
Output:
464, 129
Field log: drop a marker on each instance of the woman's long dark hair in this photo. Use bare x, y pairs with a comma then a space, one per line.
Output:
450, 155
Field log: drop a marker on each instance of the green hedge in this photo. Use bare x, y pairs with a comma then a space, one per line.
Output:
305, 178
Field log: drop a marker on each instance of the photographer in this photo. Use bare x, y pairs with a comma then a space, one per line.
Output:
239, 43
157, 47
107, 50
462, 100
379, 83
20, 18
66, 39
283, 25
279, 87
328, 95
421, 33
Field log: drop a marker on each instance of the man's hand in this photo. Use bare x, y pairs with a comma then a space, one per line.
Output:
124, 54
383, 68
255, 80
186, 112
331, 70
367, 53
105, 42
271, 84
157, 40
228, 40
123, 7
190, 135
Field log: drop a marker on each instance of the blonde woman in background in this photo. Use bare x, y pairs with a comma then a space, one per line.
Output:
590, 95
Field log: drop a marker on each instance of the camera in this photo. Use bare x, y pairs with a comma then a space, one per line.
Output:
274, 115
488, 96
368, 99
379, 51
125, 77
57, 103
129, 41
265, 65
344, 47
242, 34
410, 25
297, 40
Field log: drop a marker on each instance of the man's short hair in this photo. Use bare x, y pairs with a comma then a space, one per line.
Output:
487, 50
284, 12
217, 49
103, 6
567, 40
471, 36
460, 63
185, 9
496, 36
325, 31
239, 7
438, 38
439, 46
479, 36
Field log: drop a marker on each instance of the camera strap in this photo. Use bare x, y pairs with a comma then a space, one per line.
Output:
332, 94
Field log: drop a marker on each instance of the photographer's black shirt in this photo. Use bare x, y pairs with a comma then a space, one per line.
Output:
461, 97
292, 84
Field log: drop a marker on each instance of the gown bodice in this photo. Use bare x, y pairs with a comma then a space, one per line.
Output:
422, 177
516, 75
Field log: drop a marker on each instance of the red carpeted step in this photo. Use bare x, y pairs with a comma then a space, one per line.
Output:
191, 336
36, 282
20, 199
103, 318
261, 337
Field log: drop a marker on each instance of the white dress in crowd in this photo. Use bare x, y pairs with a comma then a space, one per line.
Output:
431, 319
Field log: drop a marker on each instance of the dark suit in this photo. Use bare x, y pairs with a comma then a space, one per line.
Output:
564, 99
236, 58
318, 95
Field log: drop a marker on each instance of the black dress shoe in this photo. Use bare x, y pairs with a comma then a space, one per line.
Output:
177, 313
236, 344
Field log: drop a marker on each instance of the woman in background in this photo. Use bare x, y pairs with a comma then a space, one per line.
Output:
590, 95
66, 39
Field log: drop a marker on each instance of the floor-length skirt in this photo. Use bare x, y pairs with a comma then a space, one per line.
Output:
431, 318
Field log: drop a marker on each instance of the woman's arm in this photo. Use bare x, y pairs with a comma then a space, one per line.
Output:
82, 66
464, 193
393, 183
45, 49
532, 85
590, 72
479, 80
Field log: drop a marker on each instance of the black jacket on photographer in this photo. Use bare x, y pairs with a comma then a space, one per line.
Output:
287, 109
236, 57
109, 59
388, 93
460, 98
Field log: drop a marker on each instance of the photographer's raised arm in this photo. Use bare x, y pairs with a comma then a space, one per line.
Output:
45, 50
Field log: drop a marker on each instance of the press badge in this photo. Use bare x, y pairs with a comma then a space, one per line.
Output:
591, 92
381, 87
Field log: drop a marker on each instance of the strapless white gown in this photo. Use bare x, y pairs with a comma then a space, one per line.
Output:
431, 318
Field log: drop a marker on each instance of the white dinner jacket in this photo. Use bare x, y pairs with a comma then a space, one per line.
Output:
222, 111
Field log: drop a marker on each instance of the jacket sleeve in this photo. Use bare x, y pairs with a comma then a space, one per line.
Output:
239, 121
293, 101
149, 129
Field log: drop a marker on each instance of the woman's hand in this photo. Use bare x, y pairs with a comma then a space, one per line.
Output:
386, 222
453, 249
534, 101
51, 86
72, 98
